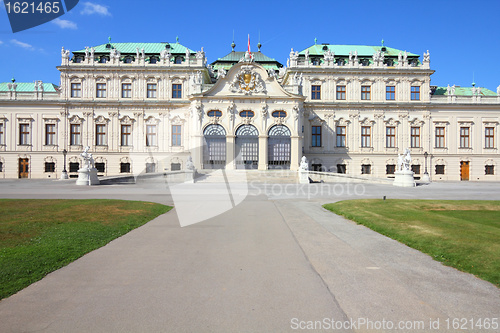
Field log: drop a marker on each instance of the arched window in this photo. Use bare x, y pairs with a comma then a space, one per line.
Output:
153, 60
247, 114
128, 59
279, 114
178, 60
103, 59
214, 113
214, 130
280, 130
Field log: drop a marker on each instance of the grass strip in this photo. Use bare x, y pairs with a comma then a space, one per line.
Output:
40, 236
461, 234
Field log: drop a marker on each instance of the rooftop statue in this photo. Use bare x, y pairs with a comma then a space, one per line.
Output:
427, 56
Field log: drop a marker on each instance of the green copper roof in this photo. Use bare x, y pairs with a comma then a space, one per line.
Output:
28, 87
463, 91
149, 48
234, 57
363, 50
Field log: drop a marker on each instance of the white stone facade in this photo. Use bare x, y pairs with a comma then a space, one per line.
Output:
351, 116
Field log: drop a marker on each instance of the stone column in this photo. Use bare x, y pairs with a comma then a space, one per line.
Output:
262, 152
230, 151
197, 151
296, 153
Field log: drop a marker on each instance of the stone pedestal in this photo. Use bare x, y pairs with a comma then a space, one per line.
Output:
425, 178
189, 176
64, 175
303, 177
87, 177
404, 178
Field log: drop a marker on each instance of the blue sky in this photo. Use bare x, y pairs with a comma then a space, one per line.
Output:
463, 37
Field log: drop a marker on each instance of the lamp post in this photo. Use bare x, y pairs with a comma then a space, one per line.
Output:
64, 174
426, 177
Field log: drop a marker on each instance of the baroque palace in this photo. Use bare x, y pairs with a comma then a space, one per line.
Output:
147, 107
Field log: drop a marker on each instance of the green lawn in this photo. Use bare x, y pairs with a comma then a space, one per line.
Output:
461, 234
40, 236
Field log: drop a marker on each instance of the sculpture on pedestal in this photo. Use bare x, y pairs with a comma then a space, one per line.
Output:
87, 175
304, 171
404, 175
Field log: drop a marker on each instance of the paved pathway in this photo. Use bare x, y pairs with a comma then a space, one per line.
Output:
271, 264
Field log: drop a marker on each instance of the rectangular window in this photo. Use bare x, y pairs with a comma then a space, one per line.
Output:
100, 135
124, 167
100, 166
151, 135
175, 166
341, 93
365, 93
341, 168
316, 136
177, 91
24, 134
416, 169
415, 137
489, 170
1, 166
365, 136
464, 137
390, 169
489, 137
74, 166
101, 90
176, 135
76, 90
126, 90
390, 137
316, 92
341, 136
151, 87
126, 134
50, 134
439, 137
440, 169
366, 169
50, 167
415, 93
75, 135
390, 93
2, 137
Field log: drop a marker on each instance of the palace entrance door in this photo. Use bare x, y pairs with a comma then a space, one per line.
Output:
214, 148
279, 144
464, 170
23, 168
247, 147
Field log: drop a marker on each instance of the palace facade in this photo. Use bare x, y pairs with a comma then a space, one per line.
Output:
147, 107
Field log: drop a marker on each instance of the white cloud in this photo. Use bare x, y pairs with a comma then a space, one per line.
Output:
0, 40
21, 44
64, 24
90, 8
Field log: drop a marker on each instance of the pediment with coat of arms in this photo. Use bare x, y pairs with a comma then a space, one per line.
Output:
247, 81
